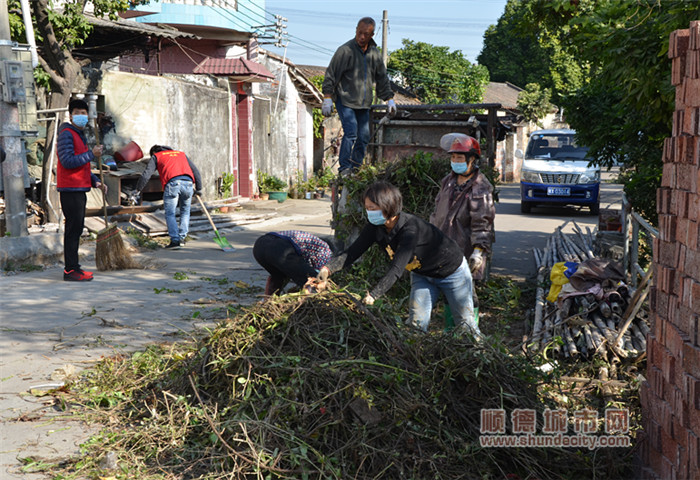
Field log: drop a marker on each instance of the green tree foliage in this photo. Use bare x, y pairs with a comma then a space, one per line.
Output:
317, 80
58, 31
607, 65
521, 50
535, 102
438, 75
512, 56
16, 25
624, 112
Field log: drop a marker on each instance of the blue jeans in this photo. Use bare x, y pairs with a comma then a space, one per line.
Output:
355, 136
457, 288
178, 192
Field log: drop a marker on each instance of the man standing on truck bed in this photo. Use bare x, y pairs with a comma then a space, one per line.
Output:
350, 78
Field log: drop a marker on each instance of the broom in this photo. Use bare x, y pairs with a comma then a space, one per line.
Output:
110, 253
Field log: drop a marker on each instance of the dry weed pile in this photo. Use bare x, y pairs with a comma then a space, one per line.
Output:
318, 387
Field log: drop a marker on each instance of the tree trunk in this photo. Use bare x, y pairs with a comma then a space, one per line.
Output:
63, 70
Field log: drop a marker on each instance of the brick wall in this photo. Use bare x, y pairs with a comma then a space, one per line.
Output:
245, 145
671, 395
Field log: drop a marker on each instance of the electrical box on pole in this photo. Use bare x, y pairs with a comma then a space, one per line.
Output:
17, 84
28, 122
12, 80
12, 86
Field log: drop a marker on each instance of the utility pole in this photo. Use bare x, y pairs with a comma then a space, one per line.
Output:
13, 166
385, 36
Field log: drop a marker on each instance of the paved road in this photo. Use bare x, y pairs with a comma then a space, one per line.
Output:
518, 233
48, 326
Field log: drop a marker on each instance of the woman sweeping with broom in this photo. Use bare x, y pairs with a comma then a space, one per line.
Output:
74, 179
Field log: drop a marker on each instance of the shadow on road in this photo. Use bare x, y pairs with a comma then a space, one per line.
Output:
518, 233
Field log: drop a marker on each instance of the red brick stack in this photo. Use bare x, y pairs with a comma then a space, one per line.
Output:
671, 395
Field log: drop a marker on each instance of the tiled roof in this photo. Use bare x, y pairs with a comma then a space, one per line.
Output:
504, 93
131, 26
235, 67
312, 70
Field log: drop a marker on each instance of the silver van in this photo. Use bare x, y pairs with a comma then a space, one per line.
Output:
556, 170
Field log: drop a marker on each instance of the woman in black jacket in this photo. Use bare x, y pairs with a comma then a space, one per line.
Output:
436, 263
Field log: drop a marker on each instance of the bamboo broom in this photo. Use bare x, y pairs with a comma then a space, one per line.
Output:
110, 253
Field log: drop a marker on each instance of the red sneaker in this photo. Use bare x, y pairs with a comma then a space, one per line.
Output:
77, 276
86, 273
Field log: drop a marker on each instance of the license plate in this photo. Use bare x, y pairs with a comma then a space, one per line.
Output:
559, 191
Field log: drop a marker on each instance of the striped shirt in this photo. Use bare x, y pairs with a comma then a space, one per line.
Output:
314, 250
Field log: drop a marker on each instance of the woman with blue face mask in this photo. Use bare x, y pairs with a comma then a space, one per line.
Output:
464, 208
436, 264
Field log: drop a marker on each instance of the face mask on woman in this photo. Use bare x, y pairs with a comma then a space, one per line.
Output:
459, 167
375, 217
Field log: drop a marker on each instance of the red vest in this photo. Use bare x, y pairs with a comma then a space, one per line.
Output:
79, 177
171, 164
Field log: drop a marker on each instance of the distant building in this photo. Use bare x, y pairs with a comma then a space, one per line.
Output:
271, 102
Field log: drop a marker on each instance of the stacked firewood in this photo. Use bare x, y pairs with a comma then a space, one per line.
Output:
611, 324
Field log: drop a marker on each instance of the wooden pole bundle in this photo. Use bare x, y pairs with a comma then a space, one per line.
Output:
539, 296
610, 324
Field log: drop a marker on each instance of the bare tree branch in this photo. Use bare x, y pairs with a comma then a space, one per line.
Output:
55, 77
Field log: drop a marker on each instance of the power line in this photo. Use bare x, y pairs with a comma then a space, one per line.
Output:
279, 21
308, 45
229, 16
239, 4
236, 20
396, 20
303, 43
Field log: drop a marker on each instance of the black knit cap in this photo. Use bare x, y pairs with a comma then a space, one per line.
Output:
159, 148
77, 104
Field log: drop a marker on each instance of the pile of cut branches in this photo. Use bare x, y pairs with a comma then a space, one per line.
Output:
320, 387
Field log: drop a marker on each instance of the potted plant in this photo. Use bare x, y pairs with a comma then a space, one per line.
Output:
227, 181
273, 186
323, 181
226, 188
301, 188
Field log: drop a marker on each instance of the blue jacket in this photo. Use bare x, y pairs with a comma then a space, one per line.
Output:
66, 154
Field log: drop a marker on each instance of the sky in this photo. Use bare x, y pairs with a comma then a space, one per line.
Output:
318, 27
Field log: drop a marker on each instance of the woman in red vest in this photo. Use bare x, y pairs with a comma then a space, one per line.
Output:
74, 179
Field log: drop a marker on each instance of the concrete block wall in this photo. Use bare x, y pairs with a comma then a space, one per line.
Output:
671, 395
172, 111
